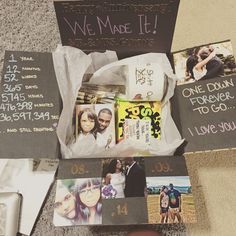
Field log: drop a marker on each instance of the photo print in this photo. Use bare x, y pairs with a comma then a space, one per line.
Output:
204, 62
94, 129
124, 191
78, 202
123, 178
170, 200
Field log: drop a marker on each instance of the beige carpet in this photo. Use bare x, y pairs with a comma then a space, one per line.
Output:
31, 25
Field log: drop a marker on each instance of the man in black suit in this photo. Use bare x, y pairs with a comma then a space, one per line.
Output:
214, 67
135, 181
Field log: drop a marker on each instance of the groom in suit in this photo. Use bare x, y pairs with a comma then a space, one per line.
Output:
214, 67
135, 181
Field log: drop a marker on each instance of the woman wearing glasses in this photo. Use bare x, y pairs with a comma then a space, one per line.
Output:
88, 200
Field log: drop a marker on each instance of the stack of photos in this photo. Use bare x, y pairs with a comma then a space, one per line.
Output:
204, 62
132, 190
94, 128
91, 93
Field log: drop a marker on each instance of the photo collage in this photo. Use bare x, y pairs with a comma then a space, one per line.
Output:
130, 190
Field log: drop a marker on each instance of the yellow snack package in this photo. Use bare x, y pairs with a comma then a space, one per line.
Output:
148, 116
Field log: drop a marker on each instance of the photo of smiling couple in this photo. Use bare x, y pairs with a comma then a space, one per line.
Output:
123, 178
94, 129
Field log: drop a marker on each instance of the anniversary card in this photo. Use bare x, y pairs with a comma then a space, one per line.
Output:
203, 105
131, 190
30, 105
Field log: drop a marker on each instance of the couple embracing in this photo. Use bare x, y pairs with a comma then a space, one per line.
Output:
125, 179
204, 64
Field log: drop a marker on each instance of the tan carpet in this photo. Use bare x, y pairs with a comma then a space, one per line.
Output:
31, 25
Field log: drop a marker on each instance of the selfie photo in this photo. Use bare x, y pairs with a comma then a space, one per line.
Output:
78, 202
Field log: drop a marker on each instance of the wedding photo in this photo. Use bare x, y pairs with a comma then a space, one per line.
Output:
123, 178
204, 62
170, 200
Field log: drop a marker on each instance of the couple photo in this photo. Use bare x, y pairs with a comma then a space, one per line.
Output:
170, 200
94, 129
123, 178
170, 204
205, 62
78, 202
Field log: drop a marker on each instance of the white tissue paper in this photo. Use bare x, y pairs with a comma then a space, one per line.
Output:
32, 182
71, 65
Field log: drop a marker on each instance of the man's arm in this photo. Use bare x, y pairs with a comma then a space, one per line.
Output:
214, 71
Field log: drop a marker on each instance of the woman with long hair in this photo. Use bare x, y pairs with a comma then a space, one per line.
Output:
88, 201
196, 63
164, 204
85, 143
116, 178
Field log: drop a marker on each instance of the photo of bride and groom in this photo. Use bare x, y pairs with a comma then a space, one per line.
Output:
123, 178
205, 62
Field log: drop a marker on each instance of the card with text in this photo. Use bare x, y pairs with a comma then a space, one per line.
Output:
124, 26
30, 106
203, 105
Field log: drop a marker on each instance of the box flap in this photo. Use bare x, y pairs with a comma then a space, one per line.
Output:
128, 27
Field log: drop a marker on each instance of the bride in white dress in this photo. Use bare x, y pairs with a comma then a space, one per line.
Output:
116, 177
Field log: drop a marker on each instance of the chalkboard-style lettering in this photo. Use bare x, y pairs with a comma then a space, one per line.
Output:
25, 130
10, 78
11, 130
31, 69
12, 59
18, 113
187, 92
35, 96
31, 87
208, 129
220, 85
26, 58
29, 77
38, 105
43, 129
227, 126
12, 69
113, 28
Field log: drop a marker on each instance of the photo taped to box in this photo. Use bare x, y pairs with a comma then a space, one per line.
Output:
123, 178
170, 200
129, 28
169, 191
204, 62
78, 202
30, 106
